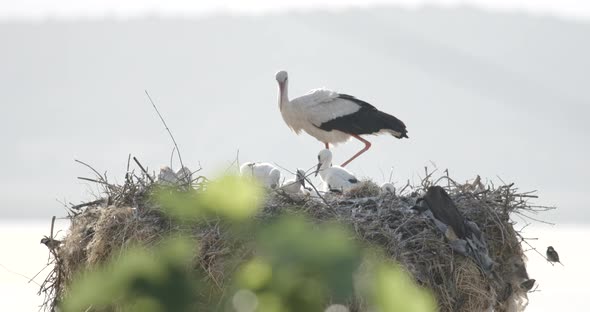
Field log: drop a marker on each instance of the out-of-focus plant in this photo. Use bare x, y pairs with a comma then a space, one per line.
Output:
139, 280
297, 265
389, 288
230, 197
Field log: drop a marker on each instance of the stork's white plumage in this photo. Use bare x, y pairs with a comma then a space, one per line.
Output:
185, 175
167, 176
387, 188
295, 186
333, 117
336, 179
267, 174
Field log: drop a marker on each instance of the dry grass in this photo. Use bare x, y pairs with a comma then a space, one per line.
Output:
126, 216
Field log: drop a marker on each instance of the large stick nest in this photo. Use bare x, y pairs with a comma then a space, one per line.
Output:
125, 216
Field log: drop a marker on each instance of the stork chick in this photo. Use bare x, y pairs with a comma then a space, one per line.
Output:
336, 179
265, 173
295, 186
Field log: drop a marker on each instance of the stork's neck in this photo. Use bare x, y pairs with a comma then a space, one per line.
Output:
283, 94
327, 164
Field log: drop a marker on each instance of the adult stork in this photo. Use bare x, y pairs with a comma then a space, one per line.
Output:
334, 118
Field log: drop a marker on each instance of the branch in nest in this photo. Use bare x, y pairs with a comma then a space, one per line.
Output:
92, 203
143, 169
167, 128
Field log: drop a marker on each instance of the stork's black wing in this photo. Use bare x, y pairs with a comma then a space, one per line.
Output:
367, 120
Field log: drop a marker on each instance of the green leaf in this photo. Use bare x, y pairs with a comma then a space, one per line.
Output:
255, 274
395, 291
138, 279
183, 205
233, 197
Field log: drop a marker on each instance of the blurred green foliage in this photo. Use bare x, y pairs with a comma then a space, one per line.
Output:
298, 265
230, 197
393, 290
139, 280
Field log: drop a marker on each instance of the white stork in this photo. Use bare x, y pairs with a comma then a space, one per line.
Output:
185, 175
336, 179
267, 174
295, 186
387, 188
333, 117
167, 176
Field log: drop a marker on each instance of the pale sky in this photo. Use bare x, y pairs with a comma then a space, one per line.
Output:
576, 9
494, 82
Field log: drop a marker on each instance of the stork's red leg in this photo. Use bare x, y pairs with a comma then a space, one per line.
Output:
367, 146
327, 145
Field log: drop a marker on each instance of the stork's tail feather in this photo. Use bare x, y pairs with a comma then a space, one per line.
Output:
404, 135
367, 120
393, 125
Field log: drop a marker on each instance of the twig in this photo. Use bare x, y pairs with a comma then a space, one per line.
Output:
90, 167
19, 274
43, 269
390, 174
289, 171
98, 201
167, 128
534, 219
143, 169
531, 246
172, 156
318, 193
404, 188
128, 164
236, 161
52, 226
94, 181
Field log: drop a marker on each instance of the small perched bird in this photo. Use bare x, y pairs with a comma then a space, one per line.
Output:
50, 242
336, 179
295, 186
528, 284
552, 255
267, 174
333, 117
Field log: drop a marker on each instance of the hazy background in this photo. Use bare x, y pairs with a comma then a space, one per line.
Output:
496, 94
490, 87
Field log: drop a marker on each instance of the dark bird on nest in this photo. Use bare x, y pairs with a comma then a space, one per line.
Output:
464, 236
552, 255
528, 284
444, 210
